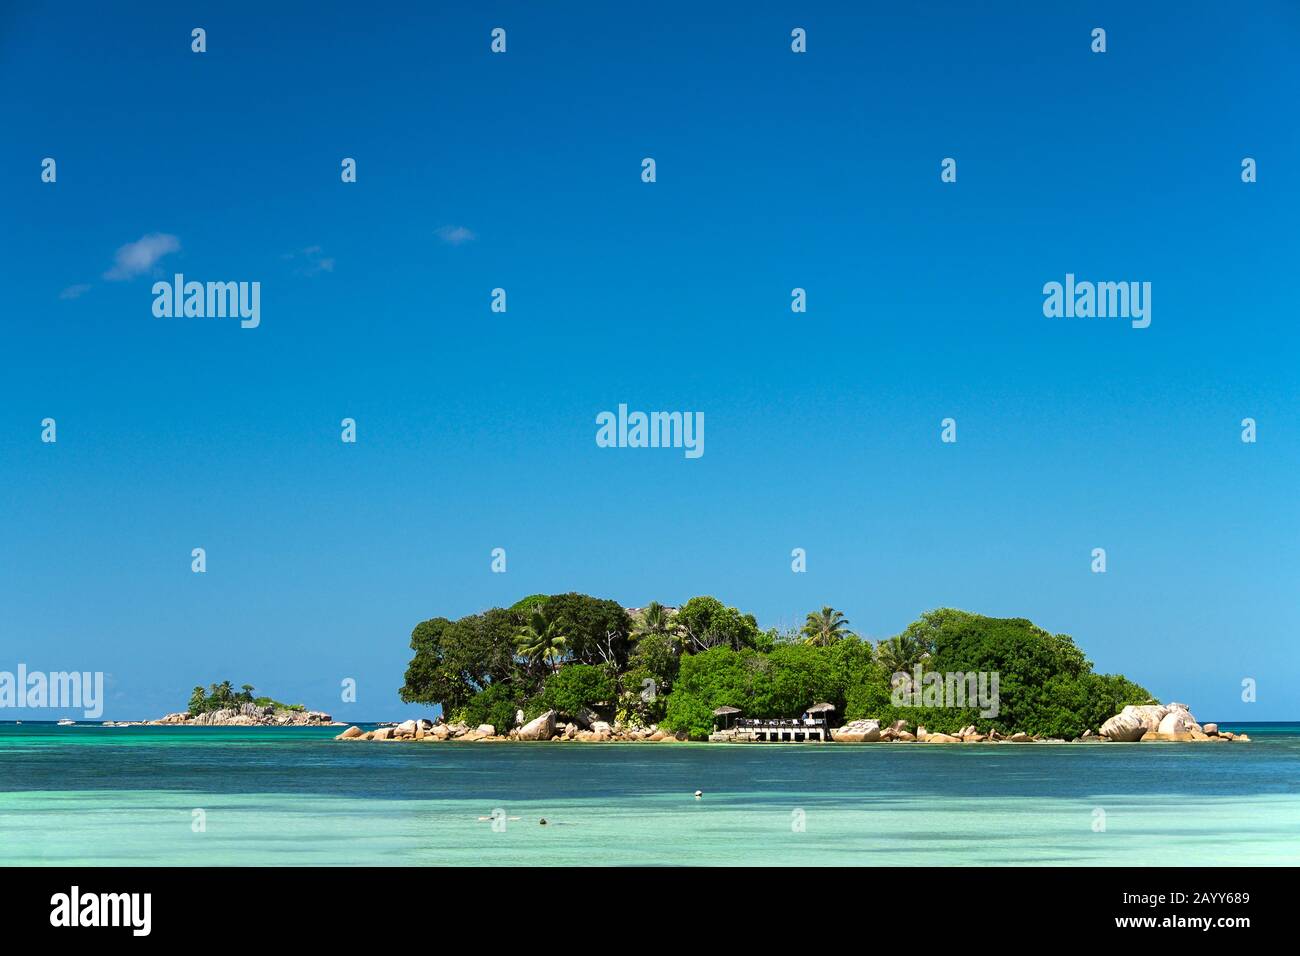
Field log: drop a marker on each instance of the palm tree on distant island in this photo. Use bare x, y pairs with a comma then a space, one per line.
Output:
824, 628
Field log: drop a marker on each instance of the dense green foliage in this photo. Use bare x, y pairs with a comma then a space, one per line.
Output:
475, 665
576, 688
496, 704
781, 683
706, 622
1046, 685
573, 653
224, 695
528, 603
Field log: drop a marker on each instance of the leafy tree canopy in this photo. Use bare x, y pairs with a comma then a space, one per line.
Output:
706, 623
576, 688
571, 651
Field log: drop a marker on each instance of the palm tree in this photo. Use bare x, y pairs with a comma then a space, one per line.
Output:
540, 640
900, 654
654, 620
227, 692
825, 628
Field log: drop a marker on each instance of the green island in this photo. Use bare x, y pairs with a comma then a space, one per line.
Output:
223, 706
223, 696
572, 666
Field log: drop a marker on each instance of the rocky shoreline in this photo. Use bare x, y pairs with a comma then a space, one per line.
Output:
1168, 722
245, 715
548, 726
1171, 723
1151, 722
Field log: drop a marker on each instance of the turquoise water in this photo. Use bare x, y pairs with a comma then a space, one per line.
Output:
290, 796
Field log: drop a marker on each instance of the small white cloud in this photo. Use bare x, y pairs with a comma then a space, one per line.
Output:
75, 291
313, 262
455, 235
139, 257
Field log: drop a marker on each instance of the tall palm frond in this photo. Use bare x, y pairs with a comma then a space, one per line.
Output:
825, 627
541, 641
900, 654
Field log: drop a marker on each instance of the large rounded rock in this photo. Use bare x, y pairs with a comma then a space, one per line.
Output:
1137, 720
1134, 721
858, 731
1178, 722
1123, 727
539, 728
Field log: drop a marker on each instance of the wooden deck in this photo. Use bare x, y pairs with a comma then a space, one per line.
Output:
791, 731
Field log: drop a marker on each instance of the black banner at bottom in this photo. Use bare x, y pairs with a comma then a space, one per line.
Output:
304, 905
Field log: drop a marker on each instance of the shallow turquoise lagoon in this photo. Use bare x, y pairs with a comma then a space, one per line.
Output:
107, 795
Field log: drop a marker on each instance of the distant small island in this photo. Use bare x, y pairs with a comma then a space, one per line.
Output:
223, 696
223, 706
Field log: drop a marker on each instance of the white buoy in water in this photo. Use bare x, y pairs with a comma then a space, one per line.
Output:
698, 794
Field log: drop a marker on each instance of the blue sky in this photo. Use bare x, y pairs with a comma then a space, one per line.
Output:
476, 429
